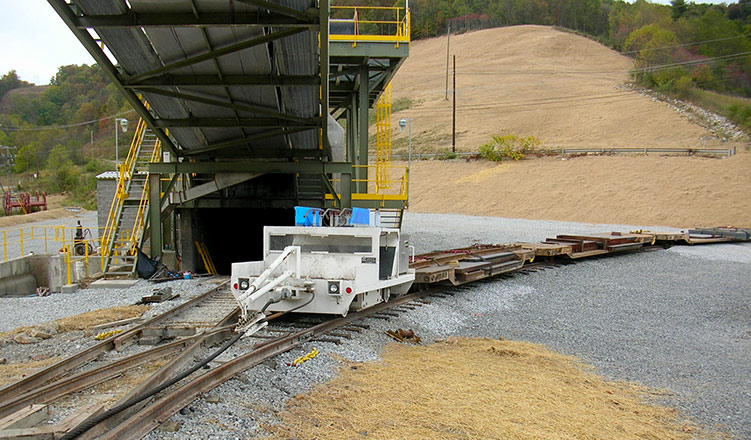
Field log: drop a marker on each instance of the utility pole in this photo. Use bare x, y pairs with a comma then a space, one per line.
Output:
448, 46
453, 130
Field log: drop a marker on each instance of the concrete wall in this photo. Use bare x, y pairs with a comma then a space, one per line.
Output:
15, 278
21, 276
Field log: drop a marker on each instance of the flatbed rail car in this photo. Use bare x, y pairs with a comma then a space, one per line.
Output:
468, 264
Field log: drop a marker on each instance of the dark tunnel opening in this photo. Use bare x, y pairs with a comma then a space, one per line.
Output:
231, 235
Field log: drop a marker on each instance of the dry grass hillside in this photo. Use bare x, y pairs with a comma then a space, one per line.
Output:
533, 80
637, 190
564, 90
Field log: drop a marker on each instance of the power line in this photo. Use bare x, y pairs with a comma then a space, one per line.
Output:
571, 100
59, 127
687, 44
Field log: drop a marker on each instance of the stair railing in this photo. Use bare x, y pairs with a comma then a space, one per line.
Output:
136, 232
125, 173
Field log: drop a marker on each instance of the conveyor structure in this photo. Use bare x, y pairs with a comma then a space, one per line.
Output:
245, 98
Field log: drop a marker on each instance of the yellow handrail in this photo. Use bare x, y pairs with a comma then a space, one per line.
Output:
381, 193
383, 139
125, 173
140, 221
400, 22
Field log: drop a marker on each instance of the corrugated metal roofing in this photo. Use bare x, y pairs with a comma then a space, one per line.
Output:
140, 50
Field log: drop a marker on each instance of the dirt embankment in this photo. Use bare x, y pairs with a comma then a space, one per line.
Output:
54, 211
562, 88
567, 91
639, 190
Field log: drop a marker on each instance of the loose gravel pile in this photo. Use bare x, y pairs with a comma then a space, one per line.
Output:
676, 319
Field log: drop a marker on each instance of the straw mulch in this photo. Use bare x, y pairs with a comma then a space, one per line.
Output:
476, 389
85, 321
82, 321
12, 372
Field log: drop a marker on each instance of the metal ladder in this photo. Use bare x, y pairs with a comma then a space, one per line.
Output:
128, 214
310, 190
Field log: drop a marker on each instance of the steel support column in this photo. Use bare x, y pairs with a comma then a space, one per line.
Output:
323, 17
345, 192
361, 173
155, 223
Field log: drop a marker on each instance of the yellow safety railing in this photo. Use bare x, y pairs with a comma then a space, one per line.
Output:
383, 139
140, 221
386, 24
397, 189
51, 240
125, 173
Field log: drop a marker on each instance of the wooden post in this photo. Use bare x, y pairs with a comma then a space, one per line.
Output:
453, 130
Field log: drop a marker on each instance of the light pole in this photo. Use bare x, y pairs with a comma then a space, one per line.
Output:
402, 125
124, 126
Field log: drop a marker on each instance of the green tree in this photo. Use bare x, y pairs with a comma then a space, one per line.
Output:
11, 81
677, 9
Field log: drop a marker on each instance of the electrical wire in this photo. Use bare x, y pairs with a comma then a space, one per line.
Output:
83, 427
729, 57
694, 43
570, 101
60, 127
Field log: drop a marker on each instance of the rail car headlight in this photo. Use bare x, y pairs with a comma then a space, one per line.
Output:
334, 288
243, 283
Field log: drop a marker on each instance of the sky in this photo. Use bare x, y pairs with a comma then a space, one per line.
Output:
35, 42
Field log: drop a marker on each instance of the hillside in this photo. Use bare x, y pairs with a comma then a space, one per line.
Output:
548, 66
564, 89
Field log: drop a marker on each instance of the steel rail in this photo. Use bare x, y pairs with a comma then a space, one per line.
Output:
142, 419
76, 360
150, 417
86, 379
216, 335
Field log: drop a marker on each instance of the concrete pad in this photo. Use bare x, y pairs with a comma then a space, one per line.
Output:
69, 288
112, 284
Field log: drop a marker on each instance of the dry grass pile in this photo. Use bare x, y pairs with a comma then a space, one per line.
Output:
12, 372
476, 389
82, 321
85, 321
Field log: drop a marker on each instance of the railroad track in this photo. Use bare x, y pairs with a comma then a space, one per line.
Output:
115, 364
205, 321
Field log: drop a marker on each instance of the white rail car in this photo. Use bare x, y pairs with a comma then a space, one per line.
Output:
330, 270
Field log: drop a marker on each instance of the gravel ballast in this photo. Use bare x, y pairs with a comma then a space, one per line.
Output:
676, 319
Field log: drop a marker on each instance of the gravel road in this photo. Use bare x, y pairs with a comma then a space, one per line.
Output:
12, 246
676, 319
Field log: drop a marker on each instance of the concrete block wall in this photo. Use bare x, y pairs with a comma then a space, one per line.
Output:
21, 276
15, 278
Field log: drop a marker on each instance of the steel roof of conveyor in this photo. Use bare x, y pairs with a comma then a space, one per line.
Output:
242, 93
223, 78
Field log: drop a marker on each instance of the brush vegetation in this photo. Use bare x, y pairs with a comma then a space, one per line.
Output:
508, 147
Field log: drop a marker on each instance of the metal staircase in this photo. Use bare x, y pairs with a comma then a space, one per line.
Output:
128, 214
310, 189
391, 218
